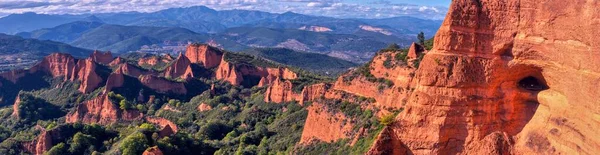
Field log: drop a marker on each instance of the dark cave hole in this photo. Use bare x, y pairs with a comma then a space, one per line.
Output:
532, 84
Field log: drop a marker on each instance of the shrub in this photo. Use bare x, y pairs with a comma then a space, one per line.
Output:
134, 144
387, 120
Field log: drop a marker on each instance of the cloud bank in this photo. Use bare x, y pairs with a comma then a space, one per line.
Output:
332, 8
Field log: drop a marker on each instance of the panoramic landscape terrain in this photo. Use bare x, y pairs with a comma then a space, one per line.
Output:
371, 77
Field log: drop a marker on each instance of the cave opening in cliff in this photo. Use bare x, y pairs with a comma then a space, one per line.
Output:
532, 84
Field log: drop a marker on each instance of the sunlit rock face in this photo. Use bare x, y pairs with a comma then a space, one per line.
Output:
507, 77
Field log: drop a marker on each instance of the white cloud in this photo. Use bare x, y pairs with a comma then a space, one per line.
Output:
333, 8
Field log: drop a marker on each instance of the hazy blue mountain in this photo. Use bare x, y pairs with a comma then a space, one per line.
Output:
118, 38
205, 20
66, 33
10, 44
15, 23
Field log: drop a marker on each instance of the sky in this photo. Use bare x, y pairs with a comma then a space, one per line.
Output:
431, 9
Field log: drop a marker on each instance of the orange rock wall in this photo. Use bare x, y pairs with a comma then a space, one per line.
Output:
162, 85
324, 126
100, 111
209, 56
467, 98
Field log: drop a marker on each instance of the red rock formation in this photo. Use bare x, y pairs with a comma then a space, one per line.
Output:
168, 128
16, 107
131, 70
39, 145
114, 80
415, 50
102, 58
57, 64
85, 72
151, 61
101, 111
152, 151
117, 61
385, 144
322, 125
507, 77
314, 92
228, 72
209, 56
204, 107
180, 68
280, 91
163, 85
14, 75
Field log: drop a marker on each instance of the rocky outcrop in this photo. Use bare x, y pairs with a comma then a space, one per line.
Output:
102, 58
41, 144
204, 107
57, 64
415, 50
322, 125
384, 144
163, 85
207, 55
117, 61
228, 72
500, 80
101, 111
132, 70
314, 92
115, 80
281, 91
152, 151
85, 72
16, 107
181, 68
167, 128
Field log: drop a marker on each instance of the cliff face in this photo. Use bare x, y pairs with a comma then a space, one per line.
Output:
57, 64
101, 111
180, 68
280, 91
162, 85
507, 77
85, 72
42, 143
102, 58
209, 56
325, 126
228, 72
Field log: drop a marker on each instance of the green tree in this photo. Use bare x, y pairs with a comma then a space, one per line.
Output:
134, 144
81, 142
58, 149
124, 104
421, 38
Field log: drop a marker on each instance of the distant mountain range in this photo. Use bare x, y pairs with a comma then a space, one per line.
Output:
117, 38
205, 20
171, 30
10, 45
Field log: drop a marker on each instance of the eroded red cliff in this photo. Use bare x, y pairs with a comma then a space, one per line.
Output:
324, 125
180, 68
507, 77
102, 58
101, 110
206, 55
163, 85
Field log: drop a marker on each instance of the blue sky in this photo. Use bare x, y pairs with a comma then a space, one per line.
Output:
431, 9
